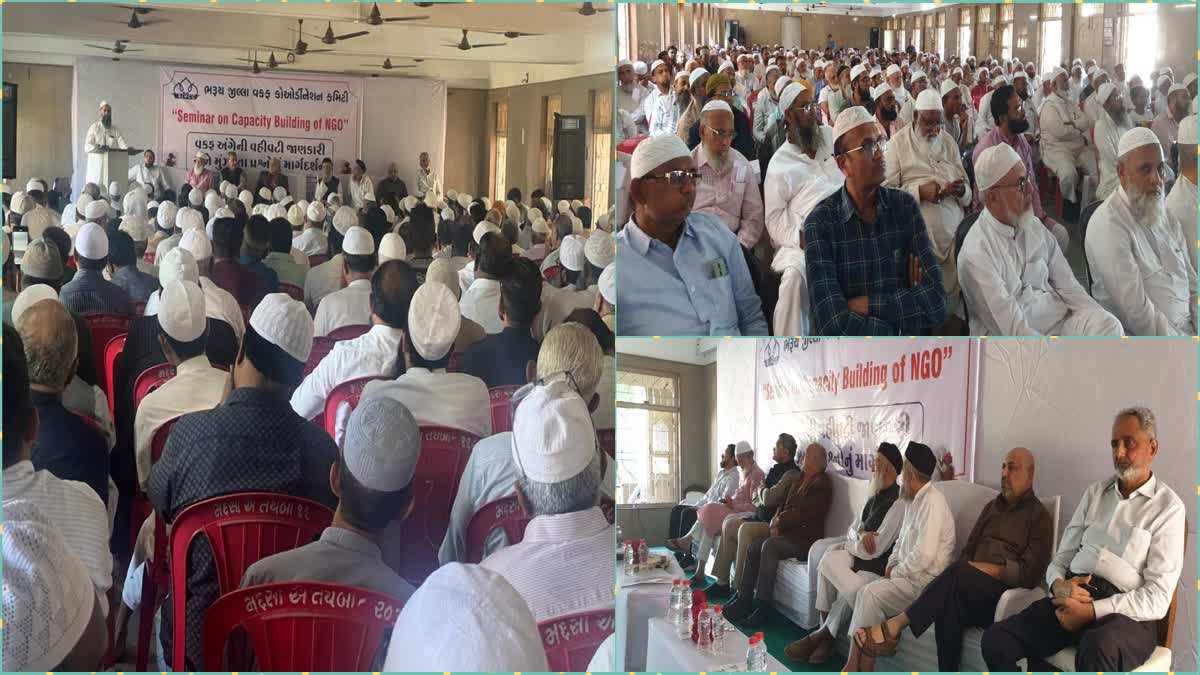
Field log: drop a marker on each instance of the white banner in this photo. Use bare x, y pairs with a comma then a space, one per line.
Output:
299, 118
852, 394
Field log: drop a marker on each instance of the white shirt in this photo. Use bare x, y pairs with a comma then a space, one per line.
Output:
1136, 543
764, 107
372, 353
1016, 280
351, 306
481, 304
724, 485
312, 241
985, 122
925, 545
1181, 204
1108, 138
911, 163
322, 280
466, 275
359, 189
196, 386
1063, 125
438, 398
558, 303
151, 177
77, 512
1141, 117
1141, 273
650, 103
605, 415
885, 536
562, 566
427, 181
665, 117
796, 183
97, 160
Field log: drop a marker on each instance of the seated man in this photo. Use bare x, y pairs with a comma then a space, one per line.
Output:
564, 563
893, 286
728, 185
1115, 570
1014, 275
351, 305
685, 273
847, 567
88, 292
229, 274
1009, 547
724, 484
1181, 200
793, 530
1138, 258
1112, 121
501, 359
1065, 148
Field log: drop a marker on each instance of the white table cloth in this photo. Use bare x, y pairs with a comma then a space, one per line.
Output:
636, 603
666, 653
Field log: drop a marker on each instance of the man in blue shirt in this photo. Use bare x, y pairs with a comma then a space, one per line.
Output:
681, 273
870, 265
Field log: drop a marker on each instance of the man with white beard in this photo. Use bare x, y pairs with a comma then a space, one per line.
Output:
895, 81
1181, 201
629, 94
923, 160
728, 185
1065, 148
1111, 124
1014, 277
801, 174
1136, 253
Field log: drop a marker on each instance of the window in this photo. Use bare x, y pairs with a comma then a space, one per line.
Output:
889, 37
602, 150
500, 149
1006, 13
1140, 40
941, 35
648, 426
1090, 9
964, 34
916, 38
624, 30
985, 15
550, 106
1050, 37
1023, 36
1006, 31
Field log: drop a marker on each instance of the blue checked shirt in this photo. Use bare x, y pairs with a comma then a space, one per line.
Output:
846, 258
701, 288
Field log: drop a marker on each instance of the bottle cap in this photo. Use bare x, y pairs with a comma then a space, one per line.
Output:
759, 635
719, 608
687, 582
675, 582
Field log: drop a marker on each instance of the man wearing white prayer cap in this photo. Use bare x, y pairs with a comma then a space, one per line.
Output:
195, 198
97, 212
579, 277
205, 454
326, 278
1111, 124
195, 253
149, 175
668, 108
102, 137
89, 292
38, 219
1137, 254
908, 297
923, 160
350, 306
436, 397
660, 81
630, 95
264, 194
674, 263
894, 79
606, 297
955, 113
1181, 201
1166, 124
312, 240
885, 110
167, 234
483, 624
202, 178
727, 185
246, 197
1065, 147
480, 301
1015, 278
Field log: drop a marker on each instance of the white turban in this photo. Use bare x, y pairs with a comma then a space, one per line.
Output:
656, 151
696, 75
1187, 131
994, 163
848, 119
716, 104
1136, 138
928, 100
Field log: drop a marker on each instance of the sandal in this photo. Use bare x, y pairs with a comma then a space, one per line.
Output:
876, 649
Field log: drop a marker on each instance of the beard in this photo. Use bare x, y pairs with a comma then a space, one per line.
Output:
1023, 94
808, 138
198, 170
876, 484
888, 115
1120, 117
720, 163
627, 87
1148, 208
106, 120
1018, 126
933, 143
906, 493
1063, 91
1126, 471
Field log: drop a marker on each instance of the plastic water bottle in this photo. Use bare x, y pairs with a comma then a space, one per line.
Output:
676, 601
685, 610
760, 653
704, 626
718, 629
752, 654
627, 554
643, 553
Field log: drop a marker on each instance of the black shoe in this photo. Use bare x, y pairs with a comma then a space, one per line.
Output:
686, 559
757, 619
739, 610
717, 589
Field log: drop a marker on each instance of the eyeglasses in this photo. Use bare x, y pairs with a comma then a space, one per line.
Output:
804, 107
871, 147
678, 178
722, 134
723, 94
1022, 186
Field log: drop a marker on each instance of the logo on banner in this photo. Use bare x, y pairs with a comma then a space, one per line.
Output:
771, 353
186, 90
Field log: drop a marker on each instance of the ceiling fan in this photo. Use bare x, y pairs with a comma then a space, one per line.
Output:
300, 48
254, 68
387, 65
512, 34
466, 46
587, 9
135, 22
330, 39
118, 48
376, 19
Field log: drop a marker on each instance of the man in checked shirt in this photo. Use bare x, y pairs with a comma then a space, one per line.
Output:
870, 265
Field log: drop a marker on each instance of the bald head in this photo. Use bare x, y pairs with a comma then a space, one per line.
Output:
815, 459
1016, 474
51, 344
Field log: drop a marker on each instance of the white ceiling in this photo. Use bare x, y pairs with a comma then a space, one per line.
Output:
858, 9
696, 351
217, 34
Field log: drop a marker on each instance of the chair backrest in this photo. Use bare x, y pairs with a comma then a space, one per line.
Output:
103, 328
347, 392
139, 309
1165, 627
348, 332
502, 514
411, 546
293, 290
112, 352
301, 626
149, 380
499, 398
608, 441
314, 260
571, 641
1084, 217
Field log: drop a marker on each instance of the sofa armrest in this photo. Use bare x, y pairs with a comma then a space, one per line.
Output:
1015, 600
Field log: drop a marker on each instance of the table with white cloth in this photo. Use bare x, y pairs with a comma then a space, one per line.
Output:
667, 653
640, 597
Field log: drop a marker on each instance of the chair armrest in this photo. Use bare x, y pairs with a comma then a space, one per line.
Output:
1015, 600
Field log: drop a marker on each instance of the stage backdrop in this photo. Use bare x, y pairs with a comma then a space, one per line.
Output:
852, 399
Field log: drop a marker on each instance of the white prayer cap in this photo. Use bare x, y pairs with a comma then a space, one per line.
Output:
196, 198
1105, 91
994, 163
410, 202
358, 242
695, 75
246, 197
279, 192
1091, 69
854, 116
726, 64
539, 226
563, 206
197, 243
276, 211
856, 71
876, 71
882, 89
893, 70
222, 185
947, 87
1020, 75
295, 216
442, 272
22, 203
464, 200
999, 81
576, 205
654, 152
181, 310
344, 219
624, 62
1058, 71
382, 444
285, 323
608, 284
681, 75
1174, 88
957, 70
39, 219
781, 84
599, 249
570, 252
918, 74
48, 595
447, 214
392, 247
91, 242
1136, 138
657, 63
552, 434
259, 210
716, 104
230, 191
189, 219
113, 188
264, 192
483, 624
135, 227
212, 201
1187, 131
316, 211
333, 198
483, 228
772, 67
39, 185
450, 194
533, 214
28, 297
287, 201
512, 212
389, 213
96, 209
81, 202
743, 448
178, 263
1187, 81
639, 67
166, 215
433, 320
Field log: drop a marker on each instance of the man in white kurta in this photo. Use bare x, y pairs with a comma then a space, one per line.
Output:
101, 136
1014, 277
1136, 253
1065, 148
349, 306
150, 175
1111, 123
1181, 201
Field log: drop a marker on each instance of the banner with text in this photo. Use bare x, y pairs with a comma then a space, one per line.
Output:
298, 119
852, 394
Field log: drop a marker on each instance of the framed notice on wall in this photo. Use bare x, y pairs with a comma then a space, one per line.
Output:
1109, 25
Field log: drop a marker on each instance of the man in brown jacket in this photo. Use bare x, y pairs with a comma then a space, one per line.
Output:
796, 526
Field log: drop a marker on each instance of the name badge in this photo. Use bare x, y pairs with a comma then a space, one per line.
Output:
718, 268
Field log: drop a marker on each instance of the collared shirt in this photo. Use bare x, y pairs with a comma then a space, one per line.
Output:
359, 189
1141, 273
723, 486
886, 531
164, 247
427, 181
925, 545
562, 566
75, 510
135, 283
89, 293
372, 353
247, 287
149, 176
847, 258
701, 287
286, 269
1108, 138
196, 386
1134, 542
558, 303
1019, 536
481, 304
312, 241
438, 398
731, 196
322, 280
650, 103
764, 107
252, 442
350, 306
1016, 280
666, 115
500, 359
69, 447
203, 182
1021, 146
1181, 204
1167, 130
795, 184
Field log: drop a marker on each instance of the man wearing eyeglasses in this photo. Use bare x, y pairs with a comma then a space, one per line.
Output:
870, 265
728, 186
719, 87
681, 273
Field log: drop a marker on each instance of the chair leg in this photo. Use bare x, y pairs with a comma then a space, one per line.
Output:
146, 616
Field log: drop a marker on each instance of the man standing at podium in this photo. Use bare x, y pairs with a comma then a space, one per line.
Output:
102, 136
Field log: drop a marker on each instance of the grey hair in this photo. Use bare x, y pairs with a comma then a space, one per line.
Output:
571, 347
1144, 416
50, 353
577, 493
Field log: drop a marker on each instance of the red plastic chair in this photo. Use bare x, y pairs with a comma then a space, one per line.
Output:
293, 290
149, 380
347, 392
103, 328
154, 576
112, 352
552, 273
139, 309
347, 332
499, 398
301, 626
502, 514
411, 546
628, 145
320, 349
608, 441
241, 529
571, 641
